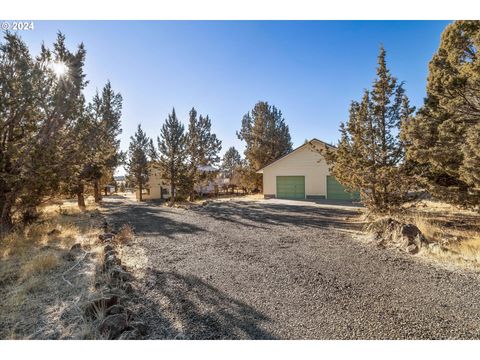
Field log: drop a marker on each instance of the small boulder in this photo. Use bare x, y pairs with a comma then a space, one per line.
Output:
76, 247
113, 325
115, 309
410, 234
107, 237
107, 248
117, 273
412, 249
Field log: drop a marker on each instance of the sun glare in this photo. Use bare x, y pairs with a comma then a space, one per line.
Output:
59, 68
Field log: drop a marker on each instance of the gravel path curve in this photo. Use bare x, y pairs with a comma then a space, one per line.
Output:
273, 270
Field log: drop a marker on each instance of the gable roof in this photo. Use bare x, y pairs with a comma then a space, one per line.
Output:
260, 171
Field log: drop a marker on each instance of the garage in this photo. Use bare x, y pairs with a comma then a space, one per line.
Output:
291, 187
336, 191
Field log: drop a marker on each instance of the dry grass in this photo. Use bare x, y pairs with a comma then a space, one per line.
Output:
33, 294
455, 231
125, 234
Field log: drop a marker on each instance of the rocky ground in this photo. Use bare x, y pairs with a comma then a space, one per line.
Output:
283, 270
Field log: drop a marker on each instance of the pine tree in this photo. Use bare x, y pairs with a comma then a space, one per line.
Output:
266, 135
231, 161
172, 153
443, 139
202, 148
137, 164
370, 154
107, 111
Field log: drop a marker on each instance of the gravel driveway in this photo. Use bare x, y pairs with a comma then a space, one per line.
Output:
282, 270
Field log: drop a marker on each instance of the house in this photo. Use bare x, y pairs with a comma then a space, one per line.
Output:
158, 188
303, 174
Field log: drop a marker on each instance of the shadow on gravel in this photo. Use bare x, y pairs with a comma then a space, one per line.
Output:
179, 306
258, 215
146, 218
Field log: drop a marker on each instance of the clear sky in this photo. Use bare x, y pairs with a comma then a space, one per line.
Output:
311, 70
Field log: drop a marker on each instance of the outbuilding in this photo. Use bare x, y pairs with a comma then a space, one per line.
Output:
303, 174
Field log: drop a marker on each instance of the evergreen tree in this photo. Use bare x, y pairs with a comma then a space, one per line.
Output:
172, 153
370, 154
107, 111
137, 164
266, 135
202, 148
443, 139
231, 161
41, 99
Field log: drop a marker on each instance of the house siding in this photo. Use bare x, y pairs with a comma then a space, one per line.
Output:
302, 162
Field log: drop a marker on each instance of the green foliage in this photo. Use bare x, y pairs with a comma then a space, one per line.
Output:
172, 154
443, 139
38, 109
202, 148
266, 135
370, 154
231, 162
137, 164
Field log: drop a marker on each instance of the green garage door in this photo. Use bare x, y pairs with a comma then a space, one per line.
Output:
336, 191
291, 187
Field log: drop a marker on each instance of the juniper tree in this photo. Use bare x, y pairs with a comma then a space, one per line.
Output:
41, 100
266, 135
202, 148
137, 164
172, 153
443, 139
370, 153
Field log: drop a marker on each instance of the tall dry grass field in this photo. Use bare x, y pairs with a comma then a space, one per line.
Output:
39, 294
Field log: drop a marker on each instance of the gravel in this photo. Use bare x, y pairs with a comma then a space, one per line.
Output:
283, 270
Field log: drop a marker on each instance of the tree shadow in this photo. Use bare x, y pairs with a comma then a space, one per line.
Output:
176, 306
147, 219
262, 214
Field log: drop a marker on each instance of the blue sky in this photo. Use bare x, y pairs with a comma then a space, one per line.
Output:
311, 70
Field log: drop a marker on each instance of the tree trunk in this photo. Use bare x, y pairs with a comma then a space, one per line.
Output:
6, 223
81, 197
97, 193
140, 189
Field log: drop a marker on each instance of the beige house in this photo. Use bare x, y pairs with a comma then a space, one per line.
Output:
158, 188
303, 174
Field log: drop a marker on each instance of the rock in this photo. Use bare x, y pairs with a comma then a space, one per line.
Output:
54, 232
130, 335
111, 252
107, 248
412, 249
70, 256
107, 237
409, 234
115, 309
111, 261
116, 272
113, 325
76, 247
140, 326
99, 305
